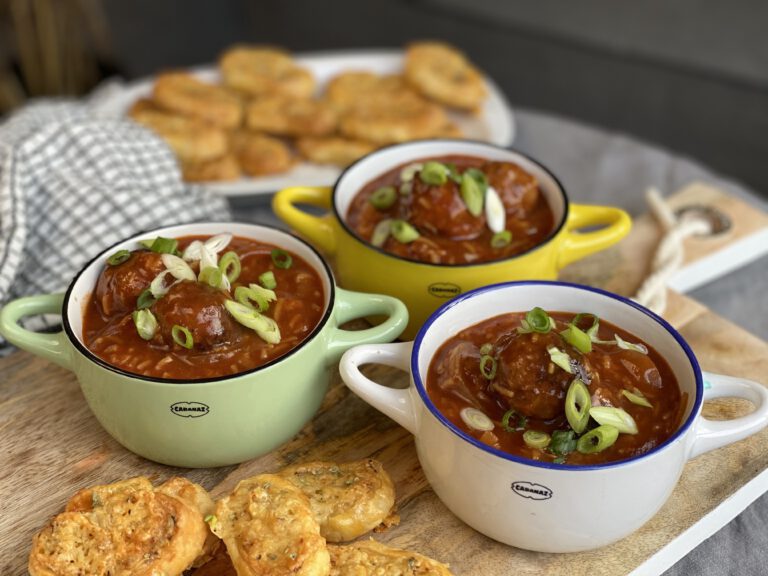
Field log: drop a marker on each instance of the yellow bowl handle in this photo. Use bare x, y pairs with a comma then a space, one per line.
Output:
577, 245
318, 229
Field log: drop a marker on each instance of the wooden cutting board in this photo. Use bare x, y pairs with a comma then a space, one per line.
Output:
51, 445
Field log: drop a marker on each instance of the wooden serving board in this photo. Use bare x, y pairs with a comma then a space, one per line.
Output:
51, 446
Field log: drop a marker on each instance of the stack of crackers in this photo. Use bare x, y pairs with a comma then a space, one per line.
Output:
265, 113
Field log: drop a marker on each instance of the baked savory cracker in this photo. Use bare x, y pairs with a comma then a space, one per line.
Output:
262, 70
259, 154
217, 170
269, 529
347, 500
335, 150
290, 116
443, 73
371, 558
184, 94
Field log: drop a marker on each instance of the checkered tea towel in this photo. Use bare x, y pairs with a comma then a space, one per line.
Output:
72, 184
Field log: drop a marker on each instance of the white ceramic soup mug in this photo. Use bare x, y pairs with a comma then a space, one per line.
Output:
536, 505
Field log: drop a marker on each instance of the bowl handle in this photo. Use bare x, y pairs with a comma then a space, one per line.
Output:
395, 403
711, 434
351, 305
318, 229
53, 347
577, 245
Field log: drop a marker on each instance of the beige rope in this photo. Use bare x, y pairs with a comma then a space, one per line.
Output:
670, 251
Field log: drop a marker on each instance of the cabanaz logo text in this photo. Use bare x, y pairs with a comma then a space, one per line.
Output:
531, 490
190, 409
444, 290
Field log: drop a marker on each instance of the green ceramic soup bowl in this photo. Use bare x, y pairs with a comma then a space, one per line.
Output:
216, 421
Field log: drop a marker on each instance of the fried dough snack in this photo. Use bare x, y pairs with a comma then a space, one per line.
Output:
184, 94
124, 529
190, 139
261, 70
371, 558
290, 116
347, 500
441, 72
218, 169
333, 149
268, 528
351, 89
258, 154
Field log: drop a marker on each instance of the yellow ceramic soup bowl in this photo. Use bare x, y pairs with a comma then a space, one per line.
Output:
424, 286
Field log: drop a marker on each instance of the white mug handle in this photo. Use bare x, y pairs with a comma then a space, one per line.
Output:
711, 434
395, 403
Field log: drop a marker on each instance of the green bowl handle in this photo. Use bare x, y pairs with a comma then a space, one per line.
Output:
351, 305
53, 347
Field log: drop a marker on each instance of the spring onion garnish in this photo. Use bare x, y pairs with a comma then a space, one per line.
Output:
536, 320
182, 336
145, 300
522, 421
577, 406
434, 173
488, 366
501, 239
405, 188
453, 172
383, 198
629, 346
178, 268
381, 232
536, 439
255, 293
577, 338
403, 232
281, 259
230, 266
146, 324
211, 520
474, 418
486, 348
211, 276
118, 257
407, 173
563, 442
214, 244
560, 358
636, 397
265, 327
268, 280
597, 439
495, 215
473, 187
163, 245
616, 417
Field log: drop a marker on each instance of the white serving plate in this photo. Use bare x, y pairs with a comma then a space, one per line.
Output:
494, 123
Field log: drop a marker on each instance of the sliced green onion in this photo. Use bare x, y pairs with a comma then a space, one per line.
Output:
146, 324
488, 366
164, 245
212, 276
434, 174
616, 417
182, 336
118, 257
265, 327
521, 421
563, 442
281, 259
381, 232
501, 239
403, 232
577, 406
629, 346
178, 268
407, 173
486, 348
211, 520
147, 243
597, 439
213, 245
560, 358
473, 193
383, 198
453, 172
255, 293
230, 266
268, 280
406, 188
636, 397
474, 418
577, 338
536, 439
536, 320
145, 299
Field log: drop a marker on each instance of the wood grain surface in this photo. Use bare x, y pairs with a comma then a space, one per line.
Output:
51, 446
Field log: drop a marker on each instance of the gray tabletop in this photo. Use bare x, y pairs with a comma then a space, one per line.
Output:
601, 167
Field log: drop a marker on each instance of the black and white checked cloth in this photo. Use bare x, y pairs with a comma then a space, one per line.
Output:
72, 184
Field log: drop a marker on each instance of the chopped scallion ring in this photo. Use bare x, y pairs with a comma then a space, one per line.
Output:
265, 327
178, 268
629, 346
146, 324
164, 245
474, 418
268, 280
560, 358
616, 417
495, 213
536, 320
577, 338
403, 232
383, 198
473, 191
434, 174
381, 232
211, 276
501, 239
255, 293
453, 172
488, 366
118, 257
281, 259
636, 397
536, 439
230, 266
597, 439
182, 336
407, 173
578, 403
486, 348
406, 188
521, 421
145, 300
